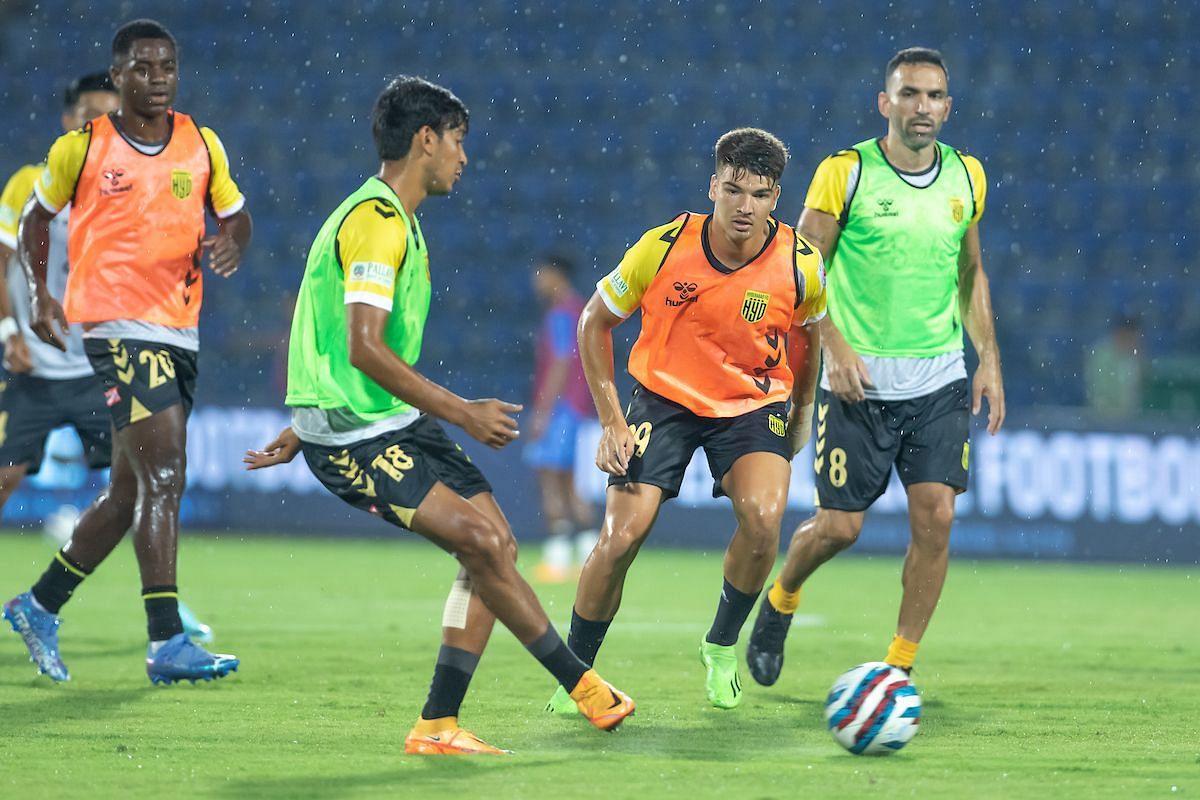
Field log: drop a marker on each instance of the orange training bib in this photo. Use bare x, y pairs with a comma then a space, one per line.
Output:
714, 340
135, 230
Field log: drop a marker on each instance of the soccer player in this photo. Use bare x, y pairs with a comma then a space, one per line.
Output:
139, 181
560, 404
897, 219
47, 387
721, 294
366, 420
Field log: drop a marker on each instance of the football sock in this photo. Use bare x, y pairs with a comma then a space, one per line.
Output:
782, 600
586, 637
451, 677
901, 653
555, 656
162, 612
732, 611
57, 583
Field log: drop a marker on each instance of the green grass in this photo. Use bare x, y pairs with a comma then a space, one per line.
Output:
1037, 680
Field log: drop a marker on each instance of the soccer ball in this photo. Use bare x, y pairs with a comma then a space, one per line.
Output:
873, 708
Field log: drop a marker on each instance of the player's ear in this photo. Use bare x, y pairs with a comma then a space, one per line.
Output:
712, 188
885, 105
778, 191
949, 102
114, 75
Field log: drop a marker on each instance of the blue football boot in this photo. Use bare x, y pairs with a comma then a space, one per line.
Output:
181, 659
196, 630
39, 629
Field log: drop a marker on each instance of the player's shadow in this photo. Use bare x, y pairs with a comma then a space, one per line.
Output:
414, 776
46, 704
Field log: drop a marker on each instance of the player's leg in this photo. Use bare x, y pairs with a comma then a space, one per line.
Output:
555, 566
666, 436
27, 415
933, 467
466, 627
749, 459
629, 514
855, 448
84, 400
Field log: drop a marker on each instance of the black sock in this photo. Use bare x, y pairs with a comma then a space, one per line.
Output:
586, 637
162, 612
451, 677
57, 583
732, 611
552, 651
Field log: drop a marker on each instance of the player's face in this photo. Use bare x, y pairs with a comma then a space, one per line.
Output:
449, 158
148, 78
89, 106
916, 103
742, 202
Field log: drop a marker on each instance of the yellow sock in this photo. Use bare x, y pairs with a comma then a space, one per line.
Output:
901, 653
424, 727
785, 602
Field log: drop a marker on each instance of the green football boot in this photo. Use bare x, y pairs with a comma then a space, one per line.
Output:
723, 685
561, 703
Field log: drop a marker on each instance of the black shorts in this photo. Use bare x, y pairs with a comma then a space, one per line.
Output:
926, 438
32, 407
666, 435
390, 475
142, 378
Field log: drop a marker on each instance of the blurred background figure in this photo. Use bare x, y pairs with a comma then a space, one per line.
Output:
1115, 370
561, 403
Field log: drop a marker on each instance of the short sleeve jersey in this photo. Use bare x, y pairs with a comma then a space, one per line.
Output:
56, 185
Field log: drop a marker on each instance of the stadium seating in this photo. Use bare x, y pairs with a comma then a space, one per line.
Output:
579, 147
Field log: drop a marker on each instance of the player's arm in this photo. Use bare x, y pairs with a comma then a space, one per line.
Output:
228, 205
804, 347
46, 317
821, 223
618, 294
488, 421
53, 189
596, 325
975, 304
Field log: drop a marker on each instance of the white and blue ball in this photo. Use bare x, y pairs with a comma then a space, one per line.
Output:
873, 708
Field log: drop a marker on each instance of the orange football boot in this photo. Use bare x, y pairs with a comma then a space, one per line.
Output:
443, 737
602, 705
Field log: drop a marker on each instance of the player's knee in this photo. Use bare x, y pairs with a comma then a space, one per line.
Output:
165, 481
619, 542
483, 546
931, 529
761, 520
841, 530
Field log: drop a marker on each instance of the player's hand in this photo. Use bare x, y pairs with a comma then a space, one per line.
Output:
990, 384
280, 451
799, 428
845, 369
17, 358
224, 254
491, 422
615, 449
48, 320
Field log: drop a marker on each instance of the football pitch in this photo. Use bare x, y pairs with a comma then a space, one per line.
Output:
1038, 680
